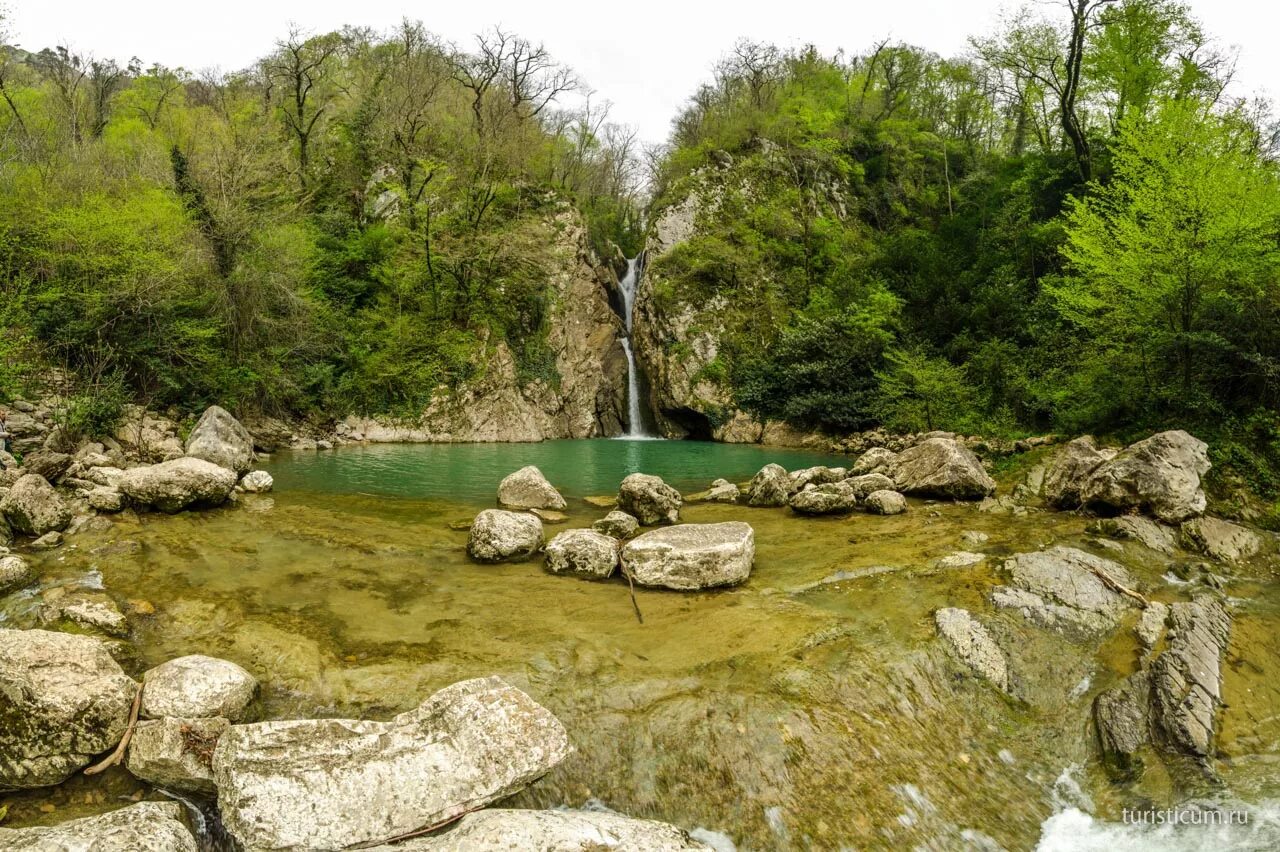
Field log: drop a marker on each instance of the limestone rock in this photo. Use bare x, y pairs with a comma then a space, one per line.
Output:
15, 572
197, 687
1061, 588
941, 467
500, 830
874, 460
91, 610
1150, 626
885, 502
176, 484
584, 553
973, 645
500, 536
47, 463
144, 827
175, 753
1148, 533
63, 699
527, 488
1186, 680
257, 482
1071, 465
1160, 475
1122, 720
649, 499
105, 499
617, 524
33, 507
335, 783
827, 499
49, 540
819, 475
722, 491
1219, 539
866, 484
691, 556
220, 439
959, 559
770, 487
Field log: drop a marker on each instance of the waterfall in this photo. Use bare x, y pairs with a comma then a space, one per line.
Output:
635, 419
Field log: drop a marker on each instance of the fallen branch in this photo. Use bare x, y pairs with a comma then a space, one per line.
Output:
634, 605
117, 755
419, 832
1115, 586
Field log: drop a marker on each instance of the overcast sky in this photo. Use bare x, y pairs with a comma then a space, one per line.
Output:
646, 57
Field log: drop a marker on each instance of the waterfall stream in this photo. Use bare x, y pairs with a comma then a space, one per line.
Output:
635, 418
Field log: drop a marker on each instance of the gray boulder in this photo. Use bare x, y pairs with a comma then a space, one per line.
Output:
33, 507
649, 499
1062, 588
691, 556
174, 485
1122, 721
885, 502
827, 499
874, 460
1186, 680
527, 488
105, 499
176, 754
819, 475
63, 699
197, 687
86, 609
868, 483
1159, 475
973, 645
721, 491
1071, 465
770, 487
618, 525
501, 830
47, 463
144, 827
1150, 534
941, 467
15, 572
336, 783
1219, 539
501, 536
583, 553
257, 482
219, 438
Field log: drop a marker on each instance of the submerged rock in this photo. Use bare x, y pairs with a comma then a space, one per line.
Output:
500, 830
527, 488
257, 482
770, 487
63, 699
959, 559
33, 507
335, 783
91, 610
176, 753
1071, 465
618, 525
649, 499
973, 645
174, 485
144, 827
220, 439
1160, 475
197, 687
941, 467
584, 553
885, 502
1186, 680
691, 556
1122, 720
499, 536
15, 572
827, 499
1062, 587
1219, 539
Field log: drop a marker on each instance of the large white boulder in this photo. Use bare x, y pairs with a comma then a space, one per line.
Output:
174, 485
527, 488
583, 553
220, 439
33, 507
144, 827
257, 482
941, 467
649, 499
1159, 475
501, 536
197, 687
691, 556
335, 783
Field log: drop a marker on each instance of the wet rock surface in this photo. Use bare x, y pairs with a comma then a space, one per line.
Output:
499, 830
973, 645
1187, 678
583, 553
1219, 539
1063, 588
174, 485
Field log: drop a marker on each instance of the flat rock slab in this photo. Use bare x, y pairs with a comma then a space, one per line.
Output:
1186, 680
692, 556
1220, 540
1062, 587
334, 783
499, 830
144, 827
973, 645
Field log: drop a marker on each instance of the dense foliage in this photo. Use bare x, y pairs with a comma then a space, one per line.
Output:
329, 230
1071, 228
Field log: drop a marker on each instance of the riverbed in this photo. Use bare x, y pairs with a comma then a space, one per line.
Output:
812, 707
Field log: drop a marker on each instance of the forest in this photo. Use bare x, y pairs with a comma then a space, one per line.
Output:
1073, 226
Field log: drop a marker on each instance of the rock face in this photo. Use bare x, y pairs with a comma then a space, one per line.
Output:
583, 553
176, 753
1219, 539
33, 507
197, 687
1159, 475
617, 525
144, 827
941, 467
500, 536
1186, 680
829, 499
499, 830
885, 502
973, 645
174, 485
770, 487
104, 499
691, 556
649, 499
15, 573
1062, 588
1071, 465
257, 482
63, 699
220, 439
333, 783
527, 488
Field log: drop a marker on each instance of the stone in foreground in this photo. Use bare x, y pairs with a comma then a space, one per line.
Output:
941, 467
691, 556
1186, 680
176, 753
219, 438
885, 502
197, 687
501, 536
973, 645
583, 553
527, 488
500, 830
1122, 720
174, 485
144, 827
771, 487
63, 699
617, 524
15, 573
334, 783
34, 508
1160, 475
649, 499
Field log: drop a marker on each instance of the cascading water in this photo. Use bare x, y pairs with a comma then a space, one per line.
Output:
635, 418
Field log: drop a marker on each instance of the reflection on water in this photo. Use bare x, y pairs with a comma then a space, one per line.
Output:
811, 707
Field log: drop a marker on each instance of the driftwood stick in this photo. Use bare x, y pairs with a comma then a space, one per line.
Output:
117, 755
417, 832
1115, 586
634, 605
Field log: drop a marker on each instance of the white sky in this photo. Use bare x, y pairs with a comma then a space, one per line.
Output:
646, 57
